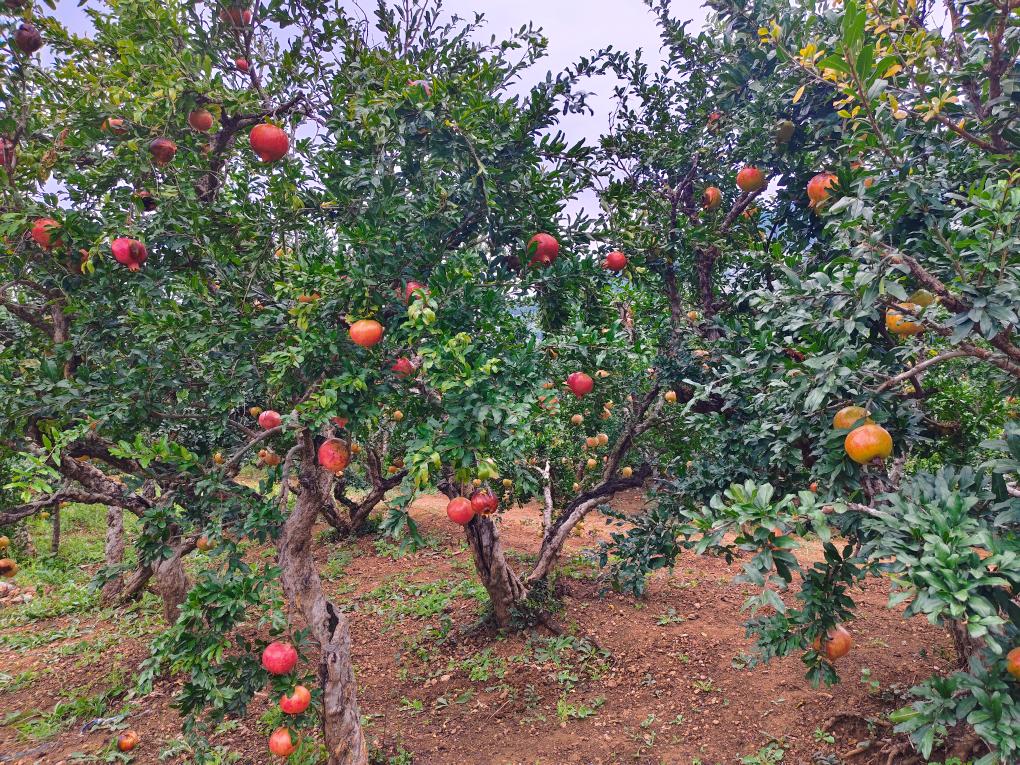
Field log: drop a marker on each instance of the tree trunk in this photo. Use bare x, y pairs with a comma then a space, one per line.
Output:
55, 538
172, 584
114, 552
504, 586
341, 719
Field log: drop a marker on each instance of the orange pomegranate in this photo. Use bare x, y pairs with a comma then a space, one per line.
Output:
898, 323
1013, 662
868, 442
849, 416
750, 179
818, 187
366, 332
711, 199
837, 643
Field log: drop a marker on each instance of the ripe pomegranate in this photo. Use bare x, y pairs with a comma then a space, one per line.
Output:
340, 422
423, 86
670, 396
236, 16
279, 657
149, 202
750, 179
1013, 662
129, 252
127, 740
899, 323
402, 367
204, 544
333, 455
270, 419
8, 567
784, 132
577, 419
27, 39
412, 289
580, 384
41, 233
162, 151
241, 64
868, 442
281, 744
543, 249
114, 126
837, 643
459, 510
616, 261
4, 542
200, 120
269, 142
366, 332
297, 702
711, 199
849, 416
818, 187
484, 502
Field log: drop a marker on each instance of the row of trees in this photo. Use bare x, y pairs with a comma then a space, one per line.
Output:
416, 175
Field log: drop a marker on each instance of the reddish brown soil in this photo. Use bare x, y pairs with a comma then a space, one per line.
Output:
673, 693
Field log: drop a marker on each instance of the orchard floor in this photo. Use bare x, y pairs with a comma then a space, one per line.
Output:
658, 680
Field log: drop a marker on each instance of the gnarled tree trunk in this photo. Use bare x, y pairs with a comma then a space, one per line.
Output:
114, 552
172, 584
504, 586
341, 723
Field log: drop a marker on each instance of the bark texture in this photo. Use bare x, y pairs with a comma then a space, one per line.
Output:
341, 719
114, 552
504, 586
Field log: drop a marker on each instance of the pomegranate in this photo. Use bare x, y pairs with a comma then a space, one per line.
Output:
27, 39
129, 252
114, 125
402, 367
580, 384
236, 16
1013, 662
41, 233
200, 120
8, 567
711, 199
162, 151
543, 249
412, 289
333, 455
818, 187
459, 510
148, 201
837, 643
340, 422
241, 64
366, 332
297, 702
868, 442
616, 261
750, 179
270, 419
849, 416
281, 744
269, 142
279, 657
484, 502
127, 741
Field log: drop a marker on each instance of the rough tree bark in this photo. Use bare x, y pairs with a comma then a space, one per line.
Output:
341, 723
114, 552
55, 537
359, 510
504, 586
172, 584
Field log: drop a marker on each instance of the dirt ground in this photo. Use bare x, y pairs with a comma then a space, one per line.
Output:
657, 680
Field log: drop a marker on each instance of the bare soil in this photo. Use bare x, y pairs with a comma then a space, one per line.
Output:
672, 686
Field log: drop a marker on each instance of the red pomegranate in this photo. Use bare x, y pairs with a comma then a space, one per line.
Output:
236, 16
711, 199
580, 384
41, 233
402, 367
162, 151
129, 252
241, 63
114, 125
818, 187
279, 657
412, 289
459, 510
484, 502
149, 202
200, 120
281, 744
333, 455
297, 702
616, 261
543, 249
340, 422
270, 419
366, 332
269, 142
750, 179
27, 39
